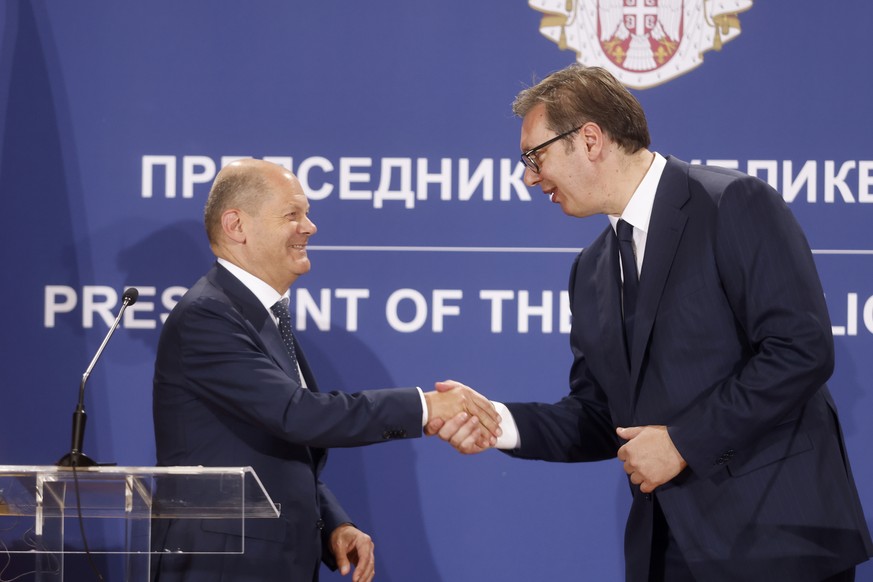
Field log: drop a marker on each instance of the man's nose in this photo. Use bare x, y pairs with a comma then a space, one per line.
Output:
531, 178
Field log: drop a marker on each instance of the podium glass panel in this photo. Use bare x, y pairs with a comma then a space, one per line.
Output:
48, 512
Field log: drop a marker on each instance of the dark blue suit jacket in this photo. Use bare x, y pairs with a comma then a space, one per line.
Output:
732, 348
223, 396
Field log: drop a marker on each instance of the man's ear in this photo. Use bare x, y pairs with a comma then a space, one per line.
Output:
592, 139
232, 225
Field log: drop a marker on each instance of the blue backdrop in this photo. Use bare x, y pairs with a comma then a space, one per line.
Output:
432, 260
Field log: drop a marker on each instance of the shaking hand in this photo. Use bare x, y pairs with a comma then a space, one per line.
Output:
462, 417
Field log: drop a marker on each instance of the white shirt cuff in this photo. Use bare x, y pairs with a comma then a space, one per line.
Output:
424, 418
510, 438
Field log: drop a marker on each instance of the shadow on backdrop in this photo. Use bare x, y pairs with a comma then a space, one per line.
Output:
377, 485
184, 257
37, 162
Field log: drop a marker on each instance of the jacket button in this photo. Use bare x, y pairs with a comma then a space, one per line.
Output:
647, 496
319, 524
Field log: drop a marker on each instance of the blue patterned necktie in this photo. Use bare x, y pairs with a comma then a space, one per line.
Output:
631, 285
280, 310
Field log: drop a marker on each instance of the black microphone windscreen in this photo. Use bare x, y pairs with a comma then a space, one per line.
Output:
131, 294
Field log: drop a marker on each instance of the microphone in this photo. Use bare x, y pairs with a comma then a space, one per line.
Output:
76, 458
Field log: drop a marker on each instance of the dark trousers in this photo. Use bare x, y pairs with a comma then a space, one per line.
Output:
846, 576
668, 565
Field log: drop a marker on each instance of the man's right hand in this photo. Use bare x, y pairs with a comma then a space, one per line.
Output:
462, 417
464, 432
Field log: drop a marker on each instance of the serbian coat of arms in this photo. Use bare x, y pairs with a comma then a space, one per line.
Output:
642, 42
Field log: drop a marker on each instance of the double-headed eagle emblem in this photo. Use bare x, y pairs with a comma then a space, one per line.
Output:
642, 42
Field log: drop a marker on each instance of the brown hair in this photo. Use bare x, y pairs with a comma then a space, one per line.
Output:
577, 95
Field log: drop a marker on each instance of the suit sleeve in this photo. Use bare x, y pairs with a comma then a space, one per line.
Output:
333, 515
770, 281
578, 427
222, 361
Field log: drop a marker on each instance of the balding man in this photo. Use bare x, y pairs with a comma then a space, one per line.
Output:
232, 388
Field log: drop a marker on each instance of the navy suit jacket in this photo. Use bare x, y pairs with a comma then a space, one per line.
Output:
224, 396
731, 350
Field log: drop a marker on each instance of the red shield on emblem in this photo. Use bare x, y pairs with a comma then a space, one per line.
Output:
640, 35
640, 16
643, 43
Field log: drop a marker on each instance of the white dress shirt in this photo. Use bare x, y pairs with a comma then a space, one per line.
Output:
637, 213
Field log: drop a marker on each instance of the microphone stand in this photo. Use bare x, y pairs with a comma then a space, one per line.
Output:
76, 458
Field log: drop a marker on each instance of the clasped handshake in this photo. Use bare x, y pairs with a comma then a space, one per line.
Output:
462, 417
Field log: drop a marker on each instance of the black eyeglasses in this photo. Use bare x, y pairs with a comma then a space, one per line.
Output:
528, 158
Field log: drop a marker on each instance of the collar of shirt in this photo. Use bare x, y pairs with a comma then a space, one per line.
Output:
265, 294
638, 211
268, 297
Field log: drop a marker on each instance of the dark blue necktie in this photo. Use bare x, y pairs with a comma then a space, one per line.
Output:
631, 285
280, 310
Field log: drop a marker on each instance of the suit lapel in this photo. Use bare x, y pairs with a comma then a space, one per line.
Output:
253, 311
258, 317
271, 337
305, 371
665, 231
602, 284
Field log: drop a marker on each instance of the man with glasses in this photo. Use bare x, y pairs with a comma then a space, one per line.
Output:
701, 344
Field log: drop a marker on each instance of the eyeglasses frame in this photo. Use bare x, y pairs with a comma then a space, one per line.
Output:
527, 157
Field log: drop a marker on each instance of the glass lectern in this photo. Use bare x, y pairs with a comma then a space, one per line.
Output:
49, 512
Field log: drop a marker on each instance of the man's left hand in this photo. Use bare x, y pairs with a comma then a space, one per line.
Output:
350, 545
650, 457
